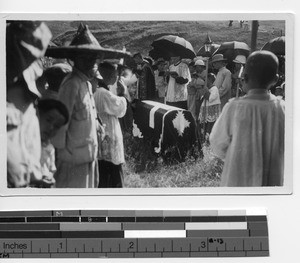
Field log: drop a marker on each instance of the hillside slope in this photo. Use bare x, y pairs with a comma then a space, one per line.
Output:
137, 36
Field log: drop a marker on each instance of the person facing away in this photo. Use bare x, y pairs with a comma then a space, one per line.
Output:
177, 86
223, 80
249, 134
52, 116
76, 142
211, 107
110, 107
146, 81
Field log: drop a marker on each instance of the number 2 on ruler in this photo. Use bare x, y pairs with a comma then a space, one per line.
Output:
131, 244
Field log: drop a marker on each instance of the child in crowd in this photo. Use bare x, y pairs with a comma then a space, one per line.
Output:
110, 107
53, 114
211, 106
249, 134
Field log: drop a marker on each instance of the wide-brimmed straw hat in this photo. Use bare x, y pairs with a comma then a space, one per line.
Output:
85, 44
218, 58
26, 43
240, 59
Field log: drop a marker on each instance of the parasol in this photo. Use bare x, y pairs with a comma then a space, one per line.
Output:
175, 45
231, 49
276, 45
156, 53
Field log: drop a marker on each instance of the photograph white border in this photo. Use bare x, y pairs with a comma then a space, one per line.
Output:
283, 212
289, 33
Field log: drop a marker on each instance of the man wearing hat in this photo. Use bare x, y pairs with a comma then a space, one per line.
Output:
76, 142
196, 87
239, 63
223, 79
26, 42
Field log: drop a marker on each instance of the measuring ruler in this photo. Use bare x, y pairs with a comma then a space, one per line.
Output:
133, 234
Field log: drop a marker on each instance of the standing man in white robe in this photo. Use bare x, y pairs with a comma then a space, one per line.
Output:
249, 134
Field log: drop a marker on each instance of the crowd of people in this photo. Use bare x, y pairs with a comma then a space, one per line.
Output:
66, 125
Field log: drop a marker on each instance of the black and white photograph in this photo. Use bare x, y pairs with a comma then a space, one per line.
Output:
148, 104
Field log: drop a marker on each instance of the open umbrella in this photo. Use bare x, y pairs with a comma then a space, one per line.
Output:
156, 53
84, 43
175, 45
233, 48
201, 52
276, 45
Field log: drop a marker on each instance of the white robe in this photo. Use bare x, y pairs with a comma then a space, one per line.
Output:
111, 107
249, 136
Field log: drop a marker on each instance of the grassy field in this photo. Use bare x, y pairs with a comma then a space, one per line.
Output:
143, 168
191, 173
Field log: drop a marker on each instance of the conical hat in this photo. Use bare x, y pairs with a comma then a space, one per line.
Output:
84, 43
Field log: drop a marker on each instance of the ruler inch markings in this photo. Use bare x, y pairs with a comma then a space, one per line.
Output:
133, 234
161, 245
